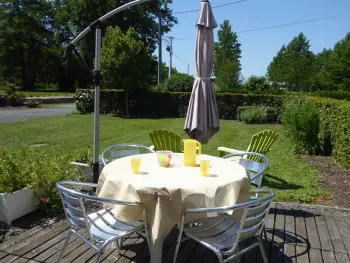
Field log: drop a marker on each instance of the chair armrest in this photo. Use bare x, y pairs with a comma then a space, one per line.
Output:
229, 150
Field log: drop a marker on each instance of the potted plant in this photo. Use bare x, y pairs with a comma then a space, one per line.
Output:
83, 162
16, 196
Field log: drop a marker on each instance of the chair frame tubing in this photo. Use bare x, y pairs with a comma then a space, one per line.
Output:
245, 207
97, 245
123, 145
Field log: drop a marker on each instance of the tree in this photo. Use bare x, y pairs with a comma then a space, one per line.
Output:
26, 41
77, 15
227, 66
125, 61
256, 83
293, 65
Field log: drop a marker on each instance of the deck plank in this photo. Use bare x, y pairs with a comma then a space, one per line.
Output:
9, 258
315, 255
326, 242
342, 258
278, 233
312, 230
289, 232
289, 253
300, 228
328, 257
2, 254
39, 241
55, 248
72, 246
38, 230
13, 246
344, 231
335, 234
302, 254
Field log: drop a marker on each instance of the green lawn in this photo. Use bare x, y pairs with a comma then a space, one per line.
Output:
291, 177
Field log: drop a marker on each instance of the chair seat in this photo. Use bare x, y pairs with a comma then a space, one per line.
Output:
103, 225
219, 232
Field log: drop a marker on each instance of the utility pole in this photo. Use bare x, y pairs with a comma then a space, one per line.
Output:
160, 64
188, 69
171, 56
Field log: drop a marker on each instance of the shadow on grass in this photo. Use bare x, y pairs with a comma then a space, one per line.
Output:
277, 183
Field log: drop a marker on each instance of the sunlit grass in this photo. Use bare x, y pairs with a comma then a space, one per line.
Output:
291, 177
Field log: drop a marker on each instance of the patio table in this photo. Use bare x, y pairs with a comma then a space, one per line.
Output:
176, 188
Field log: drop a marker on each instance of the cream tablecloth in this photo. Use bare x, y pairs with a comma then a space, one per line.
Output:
178, 188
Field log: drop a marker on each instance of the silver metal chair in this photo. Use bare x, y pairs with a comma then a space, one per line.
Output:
102, 226
123, 150
222, 233
255, 169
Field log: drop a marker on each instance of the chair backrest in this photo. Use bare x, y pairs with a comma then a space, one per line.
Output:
123, 150
255, 169
73, 205
164, 140
251, 222
261, 143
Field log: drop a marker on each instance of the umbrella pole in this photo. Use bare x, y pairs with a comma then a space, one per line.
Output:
97, 74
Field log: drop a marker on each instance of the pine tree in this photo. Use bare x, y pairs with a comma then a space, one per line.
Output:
293, 66
227, 66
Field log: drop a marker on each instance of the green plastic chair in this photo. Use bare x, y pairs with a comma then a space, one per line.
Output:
164, 140
260, 143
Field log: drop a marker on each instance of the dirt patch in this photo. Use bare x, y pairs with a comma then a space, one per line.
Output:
334, 178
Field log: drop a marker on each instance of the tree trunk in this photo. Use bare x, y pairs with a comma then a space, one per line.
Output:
127, 103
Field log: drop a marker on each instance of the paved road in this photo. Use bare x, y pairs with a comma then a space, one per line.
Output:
27, 114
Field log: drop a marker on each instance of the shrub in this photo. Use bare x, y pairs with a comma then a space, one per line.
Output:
334, 135
338, 95
170, 104
40, 170
256, 83
258, 114
179, 83
302, 124
32, 103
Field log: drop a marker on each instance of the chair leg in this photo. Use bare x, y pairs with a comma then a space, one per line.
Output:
64, 247
99, 256
265, 233
262, 250
177, 247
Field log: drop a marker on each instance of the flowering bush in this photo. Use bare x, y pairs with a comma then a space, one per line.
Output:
84, 100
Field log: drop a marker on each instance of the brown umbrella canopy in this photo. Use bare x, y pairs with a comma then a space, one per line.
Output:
202, 120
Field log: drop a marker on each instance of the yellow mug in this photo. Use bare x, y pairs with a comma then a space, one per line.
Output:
135, 165
204, 167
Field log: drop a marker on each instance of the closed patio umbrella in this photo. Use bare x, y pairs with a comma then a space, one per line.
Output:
202, 120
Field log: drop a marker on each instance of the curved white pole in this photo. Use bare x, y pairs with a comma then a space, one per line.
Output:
106, 16
95, 25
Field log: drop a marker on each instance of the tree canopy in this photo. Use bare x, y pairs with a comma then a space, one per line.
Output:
227, 66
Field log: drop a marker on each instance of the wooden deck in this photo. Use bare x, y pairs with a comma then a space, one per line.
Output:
295, 234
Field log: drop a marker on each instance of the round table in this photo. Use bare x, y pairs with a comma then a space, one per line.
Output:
166, 192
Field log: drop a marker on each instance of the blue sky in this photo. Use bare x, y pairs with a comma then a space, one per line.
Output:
258, 48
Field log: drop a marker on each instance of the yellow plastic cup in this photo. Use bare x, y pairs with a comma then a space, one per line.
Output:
135, 165
204, 167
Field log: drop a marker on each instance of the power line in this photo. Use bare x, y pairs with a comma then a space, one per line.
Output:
183, 61
271, 27
289, 24
218, 6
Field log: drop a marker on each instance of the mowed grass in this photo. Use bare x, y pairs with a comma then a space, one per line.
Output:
290, 176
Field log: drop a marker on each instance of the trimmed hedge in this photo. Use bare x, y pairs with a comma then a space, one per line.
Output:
338, 95
167, 104
334, 135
